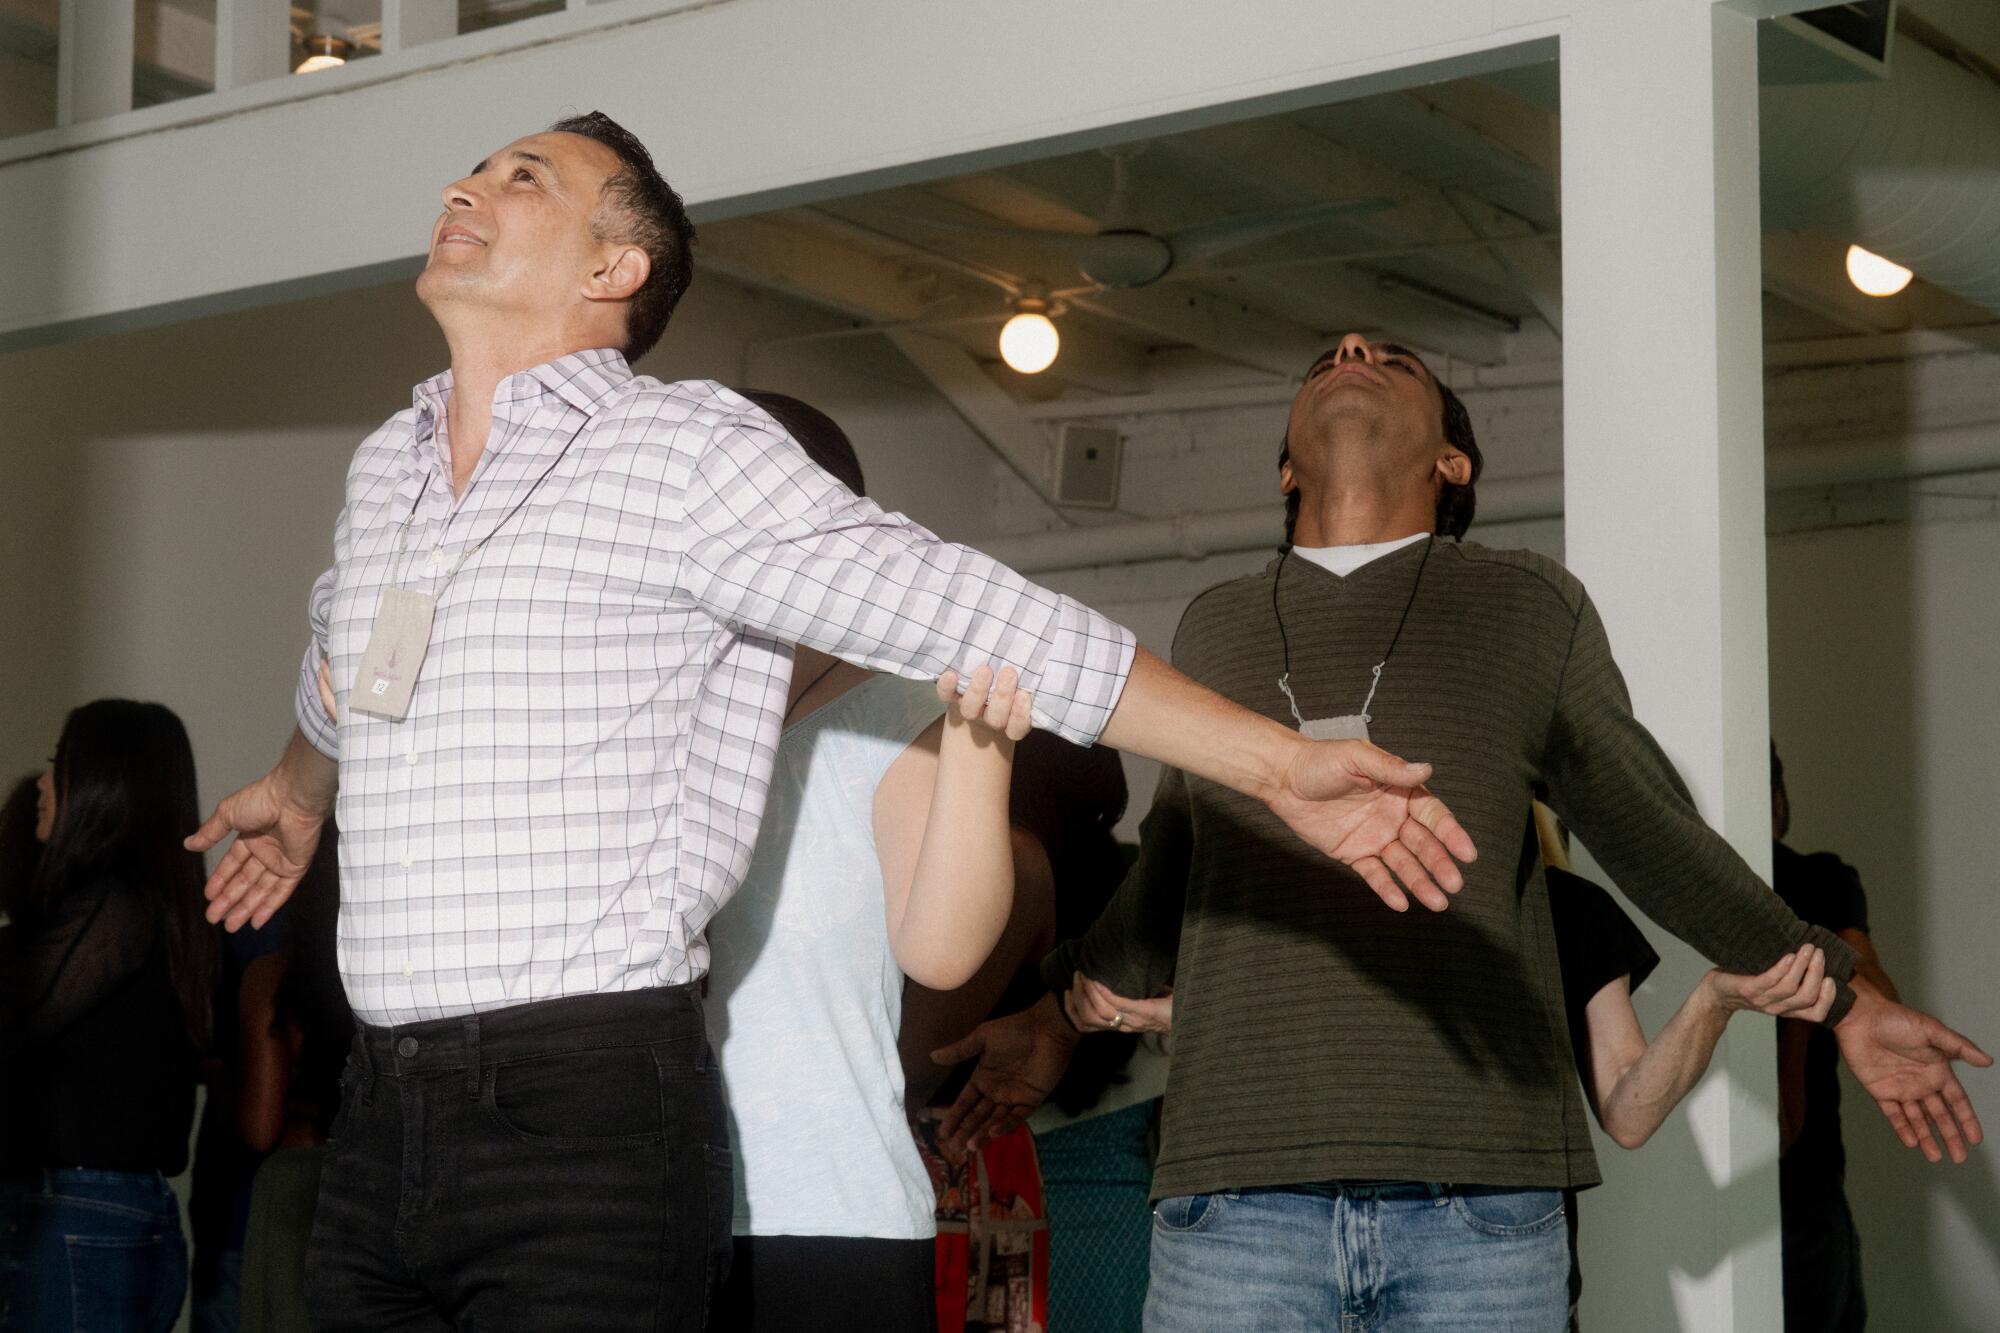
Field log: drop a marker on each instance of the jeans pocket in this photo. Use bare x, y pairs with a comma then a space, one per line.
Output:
127, 1282
1505, 1212
605, 1097
1187, 1212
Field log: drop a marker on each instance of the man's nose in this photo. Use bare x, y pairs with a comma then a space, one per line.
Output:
1353, 347
458, 195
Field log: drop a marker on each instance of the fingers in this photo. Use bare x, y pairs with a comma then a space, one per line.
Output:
1947, 1127
1828, 993
973, 702
1000, 700
1957, 1046
1435, 857
947, 688
1021, 720
1381, 767
1899, 1122
1913, 1115
1377, 877
1961, 1110
968, 1047
1813, 982
970, 1103
212, 831
1411, 871
1436, 817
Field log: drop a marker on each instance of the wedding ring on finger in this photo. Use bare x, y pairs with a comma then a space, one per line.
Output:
1117, 1020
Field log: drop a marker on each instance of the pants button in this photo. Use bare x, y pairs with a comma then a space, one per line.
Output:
407, 1047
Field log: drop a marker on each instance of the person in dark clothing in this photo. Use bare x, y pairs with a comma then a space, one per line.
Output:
20, 849
106, 981
1822, 1249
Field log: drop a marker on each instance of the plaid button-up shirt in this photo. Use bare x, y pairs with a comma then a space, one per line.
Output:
576, 787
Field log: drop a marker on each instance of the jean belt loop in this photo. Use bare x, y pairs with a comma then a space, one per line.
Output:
470, 1025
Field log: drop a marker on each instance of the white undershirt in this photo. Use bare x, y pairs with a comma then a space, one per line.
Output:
1344, 560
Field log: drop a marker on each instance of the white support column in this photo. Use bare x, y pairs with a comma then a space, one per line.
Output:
93, 60
408, 23
1664, 496
253, 41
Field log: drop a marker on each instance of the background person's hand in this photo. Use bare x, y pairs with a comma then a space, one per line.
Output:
1903, 1058
1021, 1059
991, 701
1361, 805
1796, 986
275, 841
1093, 1007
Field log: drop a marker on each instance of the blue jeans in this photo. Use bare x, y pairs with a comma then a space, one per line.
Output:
91, 1250
1361, 1258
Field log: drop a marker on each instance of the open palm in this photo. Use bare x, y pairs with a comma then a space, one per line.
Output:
1363, 806
274, 845
1903, 1058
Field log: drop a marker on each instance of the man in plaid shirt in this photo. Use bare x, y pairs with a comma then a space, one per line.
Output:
558, 632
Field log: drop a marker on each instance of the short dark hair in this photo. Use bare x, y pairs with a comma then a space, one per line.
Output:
817, 433
1455, 504
638, 207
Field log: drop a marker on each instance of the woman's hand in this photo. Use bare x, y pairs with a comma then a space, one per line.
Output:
1796, 986
1093, 1007
995, 703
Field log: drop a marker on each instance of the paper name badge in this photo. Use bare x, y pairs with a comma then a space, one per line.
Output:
1352, 727
396, 646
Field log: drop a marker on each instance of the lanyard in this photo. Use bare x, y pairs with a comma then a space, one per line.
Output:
1285, 681
403, 534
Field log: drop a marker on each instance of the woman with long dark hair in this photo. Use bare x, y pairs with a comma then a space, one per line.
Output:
106, 983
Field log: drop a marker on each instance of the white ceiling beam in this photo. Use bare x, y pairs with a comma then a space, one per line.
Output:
986, 407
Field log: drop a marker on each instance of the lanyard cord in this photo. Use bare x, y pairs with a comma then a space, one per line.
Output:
403, 537
1285, 681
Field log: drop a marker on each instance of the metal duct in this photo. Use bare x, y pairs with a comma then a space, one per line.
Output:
1904, 166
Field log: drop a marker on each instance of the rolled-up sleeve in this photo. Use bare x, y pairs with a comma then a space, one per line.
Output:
312, 719
772, 543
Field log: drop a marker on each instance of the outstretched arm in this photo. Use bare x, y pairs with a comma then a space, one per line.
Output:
770, 542
1633, 1085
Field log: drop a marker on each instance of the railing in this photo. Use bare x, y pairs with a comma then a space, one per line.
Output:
255, 46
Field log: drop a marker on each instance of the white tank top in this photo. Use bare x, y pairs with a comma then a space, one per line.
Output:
805, 998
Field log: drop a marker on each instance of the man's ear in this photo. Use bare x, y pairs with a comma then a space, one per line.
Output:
1454, 468
1287, 483
624, 273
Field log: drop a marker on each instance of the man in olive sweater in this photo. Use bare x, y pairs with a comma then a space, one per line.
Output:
1371, 1113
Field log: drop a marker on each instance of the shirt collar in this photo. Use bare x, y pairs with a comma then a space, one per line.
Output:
582, 379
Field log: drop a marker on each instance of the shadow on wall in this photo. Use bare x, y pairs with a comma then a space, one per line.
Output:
1885, 642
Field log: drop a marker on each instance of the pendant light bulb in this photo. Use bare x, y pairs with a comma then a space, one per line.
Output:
1874, 275
324, 51
1029, 341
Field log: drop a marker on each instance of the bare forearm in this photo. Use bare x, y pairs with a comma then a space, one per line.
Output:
963, 886
1673, 1062
306, 778
1165, 716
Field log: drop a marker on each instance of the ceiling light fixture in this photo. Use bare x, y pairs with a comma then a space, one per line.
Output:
1874, 275
1029, 341
324, 51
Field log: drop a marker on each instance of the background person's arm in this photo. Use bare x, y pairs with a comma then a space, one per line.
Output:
1633, 1084
942, 836
277, 821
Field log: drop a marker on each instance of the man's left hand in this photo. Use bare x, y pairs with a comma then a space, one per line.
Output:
1903, 1058
1362, 805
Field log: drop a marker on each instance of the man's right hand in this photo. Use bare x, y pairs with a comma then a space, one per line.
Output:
277, 828
1021, 1059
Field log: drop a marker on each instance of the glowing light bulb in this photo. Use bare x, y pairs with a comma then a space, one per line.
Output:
324, 52
1029, 341
1873, 274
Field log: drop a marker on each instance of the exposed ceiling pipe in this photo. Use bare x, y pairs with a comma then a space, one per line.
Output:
1936, 453
1903, 166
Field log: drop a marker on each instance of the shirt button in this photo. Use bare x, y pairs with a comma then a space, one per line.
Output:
406, 970
406, 860
412, 758
407, 1047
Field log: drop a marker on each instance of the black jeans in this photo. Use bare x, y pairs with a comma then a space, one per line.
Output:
828, 1284
560, 1165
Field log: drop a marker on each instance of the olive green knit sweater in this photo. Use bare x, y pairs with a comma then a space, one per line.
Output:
1320, 1036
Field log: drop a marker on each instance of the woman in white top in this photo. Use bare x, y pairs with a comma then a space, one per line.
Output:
885, 851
